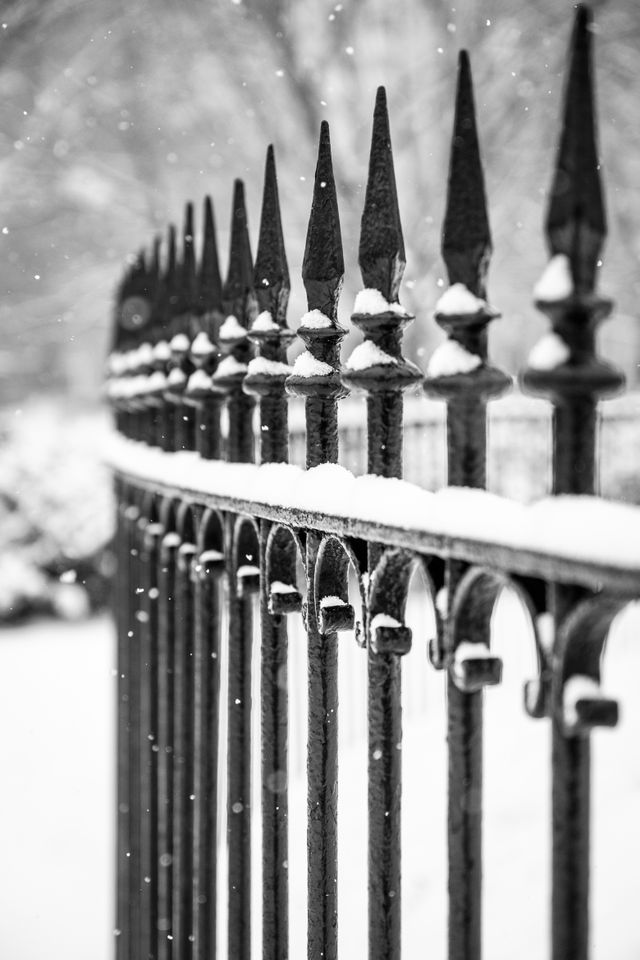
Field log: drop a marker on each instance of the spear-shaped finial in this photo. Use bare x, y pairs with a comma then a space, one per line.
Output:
382, 258
155, 286
188, 290
170, 271
323, 263
156, 247
210, 283
271, 273
135, 300
576, 222
466, 237
239, 283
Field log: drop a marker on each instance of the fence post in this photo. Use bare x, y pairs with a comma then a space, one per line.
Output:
228, 379
123, 548
167, 580
460, 374
377, 367
183, 738
151, 532
316, 378
208, 570
573, 377
265, 379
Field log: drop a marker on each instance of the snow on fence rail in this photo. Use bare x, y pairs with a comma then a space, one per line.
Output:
209, 542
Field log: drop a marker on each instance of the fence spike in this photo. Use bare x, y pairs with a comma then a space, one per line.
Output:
381, 255
156, 247
238, 286
323, 262
204, 349
266, 376
170, 272
210, 282
271, 273
576, 222
466, 237
188, 287
238, 303
155, 290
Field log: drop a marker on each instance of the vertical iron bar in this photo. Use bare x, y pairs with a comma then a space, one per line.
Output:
384, 711
134, 570
148, 740
383, 376
239, 768
265, 379
227, 380
183, 756
466, 248
206, 707
123, 951
322, 272
274, 724
576, 229
166, 657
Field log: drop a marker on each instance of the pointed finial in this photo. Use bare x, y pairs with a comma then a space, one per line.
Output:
155, 285
382, 258
466, 237
170, 266
170, 274
140, 275
210, 292
323, 263
271, 274
239, 284
188, 271
576, 222
156, 247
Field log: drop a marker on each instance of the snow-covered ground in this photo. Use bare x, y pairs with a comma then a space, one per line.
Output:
57, 793
56, 805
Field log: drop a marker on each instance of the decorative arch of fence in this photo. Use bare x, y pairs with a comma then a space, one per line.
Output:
203, 531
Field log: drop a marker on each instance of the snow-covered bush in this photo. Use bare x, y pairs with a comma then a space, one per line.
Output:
56, 512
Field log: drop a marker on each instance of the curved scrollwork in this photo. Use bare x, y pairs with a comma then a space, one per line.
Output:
389, 590
470, 661
331, 585
284, 550
245, 556
210, 544
578, 697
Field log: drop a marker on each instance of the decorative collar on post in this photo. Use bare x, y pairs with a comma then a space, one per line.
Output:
459, 366
164, 355
153, 382
316, 371
134, 315
377, 364
204, 351
180, 342
564, 362
269, 370
237, 300
238, 304
117, 363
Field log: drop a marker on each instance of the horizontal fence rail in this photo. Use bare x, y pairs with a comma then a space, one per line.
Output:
212, 546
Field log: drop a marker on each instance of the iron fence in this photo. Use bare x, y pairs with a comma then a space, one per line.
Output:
203, 543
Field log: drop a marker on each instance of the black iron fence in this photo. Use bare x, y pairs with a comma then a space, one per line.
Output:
209, 540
